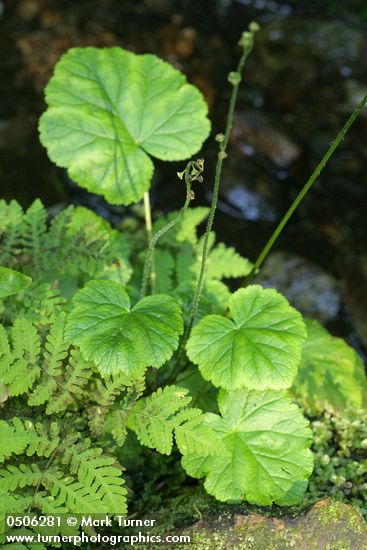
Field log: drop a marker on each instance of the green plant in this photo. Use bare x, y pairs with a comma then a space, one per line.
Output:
86, 358
340, 450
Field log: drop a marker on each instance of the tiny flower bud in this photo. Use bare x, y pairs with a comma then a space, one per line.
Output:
234, 78
246, 40
254, 26
222, 155
219, 138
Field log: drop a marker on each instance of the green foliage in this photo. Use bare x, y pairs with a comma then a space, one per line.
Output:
76, 345
12, 282
259, 349
119, 338
100, 473
214, 298
109, 109
76, 243
104, 396
340, 451
179, 255
331, 373
262, 449
19, 366
155, 418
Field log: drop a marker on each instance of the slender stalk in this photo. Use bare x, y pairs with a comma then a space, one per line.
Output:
154, 239
234, 79
149, 229
305, 189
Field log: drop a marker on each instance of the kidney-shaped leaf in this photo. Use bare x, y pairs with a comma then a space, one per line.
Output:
109, 109
331, 373
264, 449
259, 349
12, 282
119, 338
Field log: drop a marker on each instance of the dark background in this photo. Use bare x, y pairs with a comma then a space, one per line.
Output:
307, 73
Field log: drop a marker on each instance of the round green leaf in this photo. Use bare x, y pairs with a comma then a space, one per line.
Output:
259, 349
264, 449
109, 109
331, 373
119, 338
12, 282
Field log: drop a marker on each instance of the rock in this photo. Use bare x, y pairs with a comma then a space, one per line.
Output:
309, 288
245, 203
253, 131
328, 525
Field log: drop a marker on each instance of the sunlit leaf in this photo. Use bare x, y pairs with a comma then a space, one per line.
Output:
121, 338
259, 348
263, 449
331, 373
109, 109
12, 282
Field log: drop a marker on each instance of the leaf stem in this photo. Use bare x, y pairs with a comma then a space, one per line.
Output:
149, 229
234, 78
263, 254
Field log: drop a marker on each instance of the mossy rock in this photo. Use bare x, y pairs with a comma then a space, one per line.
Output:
328, 525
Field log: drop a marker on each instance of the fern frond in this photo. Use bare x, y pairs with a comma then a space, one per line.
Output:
118, 422
46, 503
186, 264
185, 230
4, 341
73, 494
195, 437
164, 266
49, 507
33, 232
11, 216
18, 477
19, 367
56, 352
76, 376
106, 392
100, 474
45, 440
225, 262
26, 342
154, 418
13, 503
23, 437
117, 419
39, 303
14, 438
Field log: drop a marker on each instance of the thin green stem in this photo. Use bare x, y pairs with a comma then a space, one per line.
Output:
235, 79
263, 254
149, 229
158, 235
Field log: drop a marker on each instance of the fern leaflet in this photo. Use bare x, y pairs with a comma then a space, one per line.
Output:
100, 474
154, 418
56, 352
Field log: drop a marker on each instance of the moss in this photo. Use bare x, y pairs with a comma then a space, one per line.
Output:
340, 454
329, 525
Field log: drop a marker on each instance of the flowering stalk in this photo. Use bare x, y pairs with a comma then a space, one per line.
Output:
191, 173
